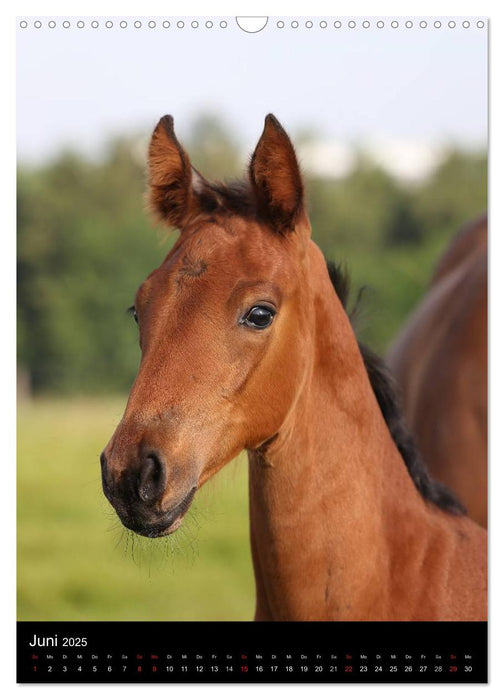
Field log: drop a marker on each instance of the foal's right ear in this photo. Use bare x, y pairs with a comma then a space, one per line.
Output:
276, 178
170, 177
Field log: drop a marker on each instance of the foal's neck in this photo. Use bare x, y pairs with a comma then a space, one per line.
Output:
324, 493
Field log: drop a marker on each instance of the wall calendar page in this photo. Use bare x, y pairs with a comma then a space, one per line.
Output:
252, 349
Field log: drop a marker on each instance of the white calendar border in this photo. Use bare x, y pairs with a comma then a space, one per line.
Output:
232, 8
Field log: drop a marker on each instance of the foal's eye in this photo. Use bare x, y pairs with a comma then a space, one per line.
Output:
133, 312
259, 317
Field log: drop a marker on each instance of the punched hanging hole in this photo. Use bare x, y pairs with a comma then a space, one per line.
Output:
251, 25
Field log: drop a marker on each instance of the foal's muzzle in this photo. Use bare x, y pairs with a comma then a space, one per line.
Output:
145, 483
137, 494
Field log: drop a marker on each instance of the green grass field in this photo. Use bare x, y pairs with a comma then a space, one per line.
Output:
77, 562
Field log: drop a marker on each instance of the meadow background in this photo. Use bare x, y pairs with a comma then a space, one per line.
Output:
87, 102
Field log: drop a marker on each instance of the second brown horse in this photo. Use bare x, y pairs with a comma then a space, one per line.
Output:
440, 363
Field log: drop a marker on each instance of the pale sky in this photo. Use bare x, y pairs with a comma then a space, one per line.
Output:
76, 87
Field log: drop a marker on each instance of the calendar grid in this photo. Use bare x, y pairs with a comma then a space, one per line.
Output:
239, 652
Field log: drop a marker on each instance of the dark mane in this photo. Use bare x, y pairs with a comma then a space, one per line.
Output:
385, 393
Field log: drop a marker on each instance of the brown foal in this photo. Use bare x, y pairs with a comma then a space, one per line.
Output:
246, 345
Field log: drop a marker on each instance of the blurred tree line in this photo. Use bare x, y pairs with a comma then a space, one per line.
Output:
85, 243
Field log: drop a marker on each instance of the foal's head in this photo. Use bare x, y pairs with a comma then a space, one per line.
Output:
224, 327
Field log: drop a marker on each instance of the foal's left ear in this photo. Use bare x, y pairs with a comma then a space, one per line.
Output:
170, 176
276, 178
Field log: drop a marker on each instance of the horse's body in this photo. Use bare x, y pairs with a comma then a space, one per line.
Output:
440, 363
246, 345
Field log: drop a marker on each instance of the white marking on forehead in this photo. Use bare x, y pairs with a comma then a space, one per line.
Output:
197, 182
200, 185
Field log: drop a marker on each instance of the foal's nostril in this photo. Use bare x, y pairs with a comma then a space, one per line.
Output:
152, 479
104, 473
